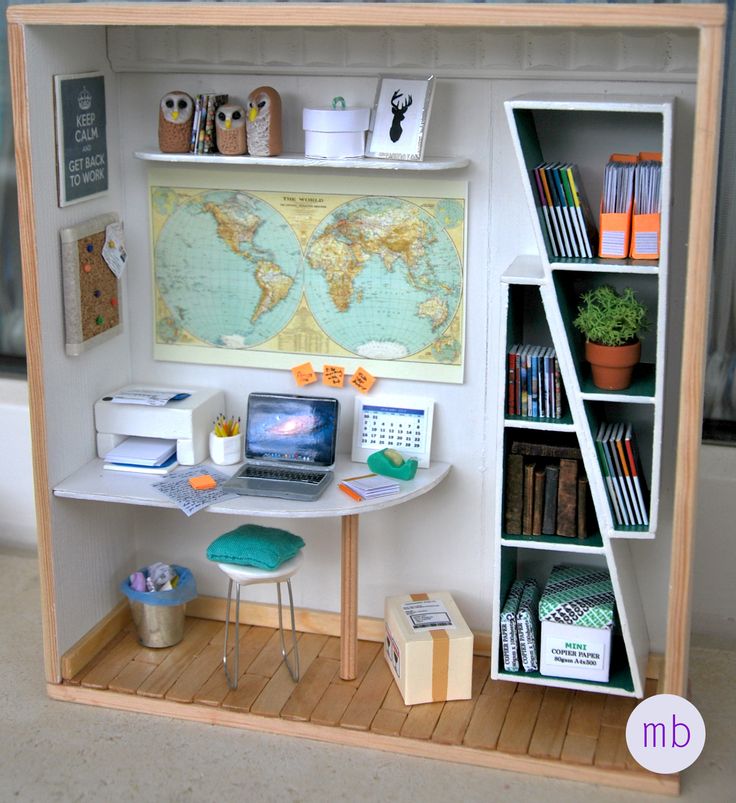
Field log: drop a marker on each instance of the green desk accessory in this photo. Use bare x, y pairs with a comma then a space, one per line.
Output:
391, 464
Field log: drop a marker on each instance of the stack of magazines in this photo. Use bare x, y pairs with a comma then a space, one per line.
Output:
619, 459
369, 486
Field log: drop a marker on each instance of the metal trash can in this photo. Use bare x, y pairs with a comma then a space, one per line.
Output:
159, 615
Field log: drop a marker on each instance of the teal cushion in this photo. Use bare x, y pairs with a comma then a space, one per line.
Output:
252, 545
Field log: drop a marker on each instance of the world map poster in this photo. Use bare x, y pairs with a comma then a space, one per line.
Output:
263, 270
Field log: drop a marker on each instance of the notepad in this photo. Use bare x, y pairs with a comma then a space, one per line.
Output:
140, 451
371, 486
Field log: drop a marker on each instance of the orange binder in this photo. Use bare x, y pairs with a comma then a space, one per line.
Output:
615, 227
645, 228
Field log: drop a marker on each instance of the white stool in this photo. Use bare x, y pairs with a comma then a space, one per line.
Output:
250, 575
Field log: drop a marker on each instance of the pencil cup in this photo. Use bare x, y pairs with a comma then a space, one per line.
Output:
226, 451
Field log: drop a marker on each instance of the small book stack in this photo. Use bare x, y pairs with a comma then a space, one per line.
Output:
568, 220
143, 456
546, 491
534, 385
619, 459
203, 127
369, 486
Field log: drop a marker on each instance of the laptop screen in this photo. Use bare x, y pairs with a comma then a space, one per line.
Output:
292, 429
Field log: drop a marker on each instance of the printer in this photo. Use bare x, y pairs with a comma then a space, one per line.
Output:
187, 420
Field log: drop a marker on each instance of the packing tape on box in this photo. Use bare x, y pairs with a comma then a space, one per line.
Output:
440, 657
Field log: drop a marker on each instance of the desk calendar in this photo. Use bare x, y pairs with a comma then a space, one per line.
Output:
403, 423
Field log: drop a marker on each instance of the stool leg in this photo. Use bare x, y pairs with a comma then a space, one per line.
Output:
294, 672
232, 682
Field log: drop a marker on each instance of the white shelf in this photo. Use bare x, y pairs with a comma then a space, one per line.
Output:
94, 483
564, 683
643, 267
552, 544
525, 269
544, 424
300, 160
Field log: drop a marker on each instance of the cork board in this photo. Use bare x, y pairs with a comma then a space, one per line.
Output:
92, 302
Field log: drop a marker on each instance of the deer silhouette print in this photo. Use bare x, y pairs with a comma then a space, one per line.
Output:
398, 109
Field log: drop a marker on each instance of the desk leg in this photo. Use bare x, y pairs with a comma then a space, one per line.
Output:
349, 598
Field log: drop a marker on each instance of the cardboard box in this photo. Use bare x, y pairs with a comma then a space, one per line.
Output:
577, 612
429, 648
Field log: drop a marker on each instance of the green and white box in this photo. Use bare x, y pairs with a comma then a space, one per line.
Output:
577, 614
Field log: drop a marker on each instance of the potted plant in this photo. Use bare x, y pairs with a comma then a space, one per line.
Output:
613, 324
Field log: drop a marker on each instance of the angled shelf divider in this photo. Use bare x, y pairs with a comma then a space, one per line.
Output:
584, 131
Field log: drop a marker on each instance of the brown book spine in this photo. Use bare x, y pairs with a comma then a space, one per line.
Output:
527, 519
583, 507
567, 499
551, 482
546, 450
514, 493
538, 507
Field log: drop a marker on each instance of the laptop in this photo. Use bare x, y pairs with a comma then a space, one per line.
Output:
289, 447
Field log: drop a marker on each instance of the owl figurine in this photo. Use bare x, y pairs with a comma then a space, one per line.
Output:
264, 122
175, 118
230, 129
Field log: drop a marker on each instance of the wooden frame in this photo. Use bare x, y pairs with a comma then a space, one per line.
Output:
708, 21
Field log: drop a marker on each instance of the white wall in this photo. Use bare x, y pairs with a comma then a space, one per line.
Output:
714, 611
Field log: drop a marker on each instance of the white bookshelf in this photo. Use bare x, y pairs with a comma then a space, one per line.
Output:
557, 287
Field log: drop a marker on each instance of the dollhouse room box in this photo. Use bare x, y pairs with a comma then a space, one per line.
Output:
429, 647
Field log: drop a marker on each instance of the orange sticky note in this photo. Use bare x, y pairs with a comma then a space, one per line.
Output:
333, 376
304, 374
203, 482
362, 380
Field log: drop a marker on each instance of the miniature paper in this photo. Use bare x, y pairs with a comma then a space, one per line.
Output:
178, 489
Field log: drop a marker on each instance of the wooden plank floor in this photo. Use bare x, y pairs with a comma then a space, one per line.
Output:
545, 727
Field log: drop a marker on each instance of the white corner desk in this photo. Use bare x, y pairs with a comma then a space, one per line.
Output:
93, 482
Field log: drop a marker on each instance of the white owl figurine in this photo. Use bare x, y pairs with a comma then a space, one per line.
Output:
230, 129
264, 122
175, 118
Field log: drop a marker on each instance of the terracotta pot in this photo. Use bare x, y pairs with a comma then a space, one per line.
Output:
612, 365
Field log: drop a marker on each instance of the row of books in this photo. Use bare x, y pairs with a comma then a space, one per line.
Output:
619, 459
567, 215
631, 206
534, 385
546, 492
203, 126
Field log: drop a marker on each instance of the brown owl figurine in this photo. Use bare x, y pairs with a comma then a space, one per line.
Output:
230, 129
175, 118
264, 122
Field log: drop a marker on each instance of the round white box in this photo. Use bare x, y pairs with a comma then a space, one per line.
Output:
334, 133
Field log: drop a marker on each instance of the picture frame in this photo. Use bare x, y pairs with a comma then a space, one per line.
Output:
400, 118
403, 423
81, 137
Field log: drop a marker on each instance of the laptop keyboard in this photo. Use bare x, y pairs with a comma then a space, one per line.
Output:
288, 474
